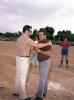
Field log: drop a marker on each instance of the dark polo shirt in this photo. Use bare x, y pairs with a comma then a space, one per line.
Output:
40, 56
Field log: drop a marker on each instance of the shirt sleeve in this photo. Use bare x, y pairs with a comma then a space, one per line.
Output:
30, 42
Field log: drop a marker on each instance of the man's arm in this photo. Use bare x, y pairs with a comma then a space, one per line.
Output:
47, 53
41, 45
38, 45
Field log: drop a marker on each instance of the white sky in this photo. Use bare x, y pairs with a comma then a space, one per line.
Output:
14, 14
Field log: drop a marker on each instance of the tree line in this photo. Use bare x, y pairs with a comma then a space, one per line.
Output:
8, 36
49, 33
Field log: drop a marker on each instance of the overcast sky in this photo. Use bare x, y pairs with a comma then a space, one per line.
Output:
14, 14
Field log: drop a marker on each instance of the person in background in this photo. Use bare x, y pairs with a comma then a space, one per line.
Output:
64, 52
34, 56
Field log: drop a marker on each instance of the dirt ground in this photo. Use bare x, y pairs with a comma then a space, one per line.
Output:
59, 75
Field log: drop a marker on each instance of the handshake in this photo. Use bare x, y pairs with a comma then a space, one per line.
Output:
50, 43
47, 44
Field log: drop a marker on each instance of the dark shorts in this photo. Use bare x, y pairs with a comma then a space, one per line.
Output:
64, 52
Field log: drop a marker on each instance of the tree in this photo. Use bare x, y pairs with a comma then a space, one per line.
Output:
35, 34
49, 31
60, 35
1, 35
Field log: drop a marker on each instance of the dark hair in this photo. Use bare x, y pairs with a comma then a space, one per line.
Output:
26, 27
42, 30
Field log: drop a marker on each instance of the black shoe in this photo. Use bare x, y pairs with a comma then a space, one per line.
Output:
15, 94
38, 98
44, 95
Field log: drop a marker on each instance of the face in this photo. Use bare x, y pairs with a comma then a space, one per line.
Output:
29, 32
65, 39
42, 36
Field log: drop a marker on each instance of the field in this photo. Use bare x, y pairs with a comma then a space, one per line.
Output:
61, 79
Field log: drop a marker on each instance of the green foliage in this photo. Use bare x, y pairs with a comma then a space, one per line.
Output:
62, 34
1, 34
9, 36
49, 31
35, 34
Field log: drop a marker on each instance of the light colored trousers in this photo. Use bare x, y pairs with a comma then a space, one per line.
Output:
22, 66
44, 70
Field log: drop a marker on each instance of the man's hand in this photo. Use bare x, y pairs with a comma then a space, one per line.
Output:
38, 50
50, 43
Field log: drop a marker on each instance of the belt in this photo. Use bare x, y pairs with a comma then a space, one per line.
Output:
23, 56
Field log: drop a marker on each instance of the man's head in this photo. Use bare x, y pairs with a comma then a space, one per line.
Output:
65, 39
27, 30
42, 34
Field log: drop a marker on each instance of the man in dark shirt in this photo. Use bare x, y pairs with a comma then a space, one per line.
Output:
44, 65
